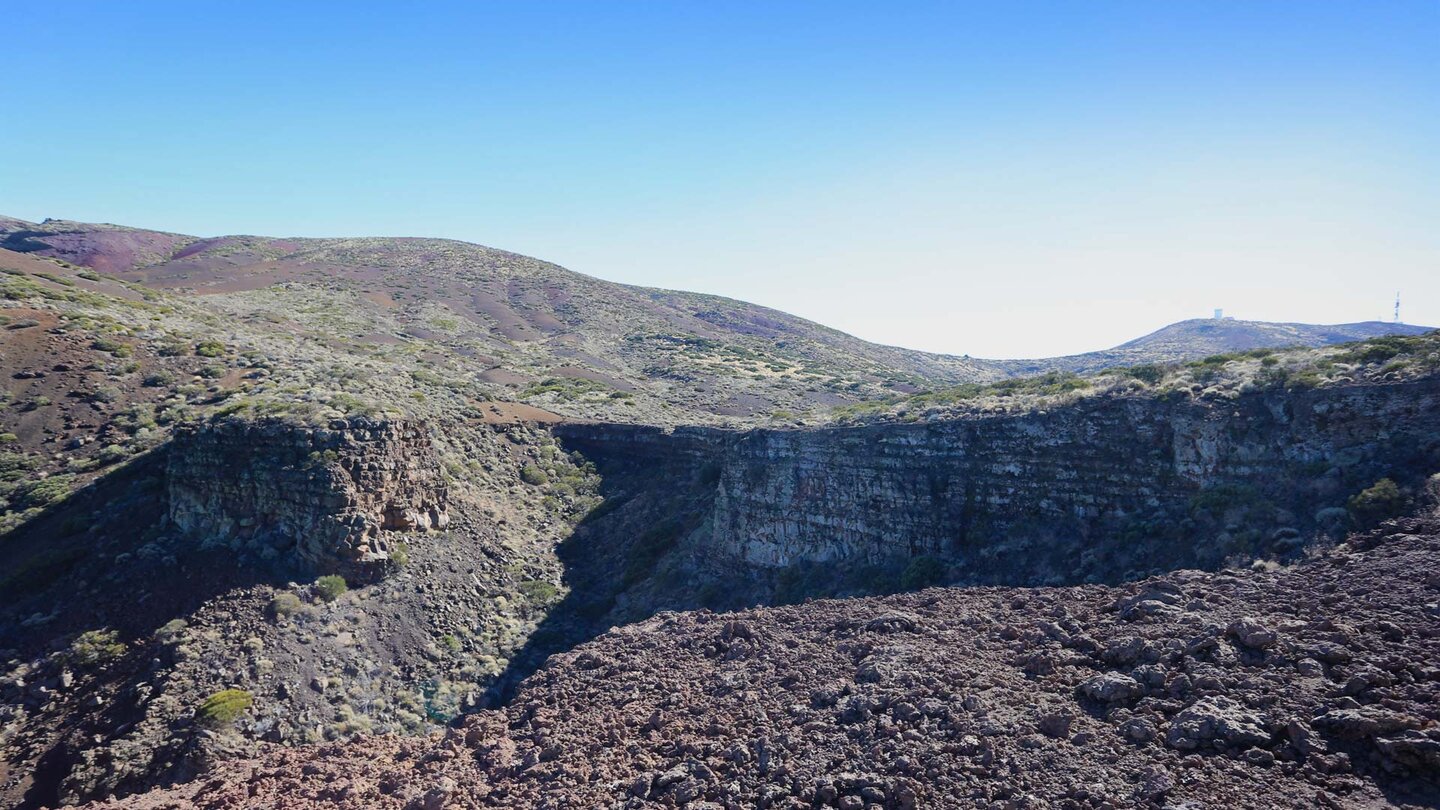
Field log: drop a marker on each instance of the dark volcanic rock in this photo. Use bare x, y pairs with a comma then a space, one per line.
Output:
324, 495
650, 715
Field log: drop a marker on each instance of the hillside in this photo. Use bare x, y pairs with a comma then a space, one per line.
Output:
520, 327
508, 327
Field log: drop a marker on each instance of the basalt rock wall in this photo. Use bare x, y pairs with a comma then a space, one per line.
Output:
326, 497
1100, 489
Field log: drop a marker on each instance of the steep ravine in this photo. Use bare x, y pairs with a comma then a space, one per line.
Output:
493, 517
194, 570
1105, 490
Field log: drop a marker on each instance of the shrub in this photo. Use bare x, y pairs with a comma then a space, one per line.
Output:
223, 708
95, 647
399, 556
538, 591
210, 348
160, 379
285, 605
105, 393
170, 631
330, 587
1150, 373
1376, 352
1381, 500
41, 493
922, 572
533, 475
111, 453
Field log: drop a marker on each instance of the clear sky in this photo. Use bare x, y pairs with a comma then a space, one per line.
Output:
1000, 179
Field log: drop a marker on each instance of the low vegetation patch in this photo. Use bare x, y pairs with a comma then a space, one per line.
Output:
330, 587
1376, 503
223, 708
96, 647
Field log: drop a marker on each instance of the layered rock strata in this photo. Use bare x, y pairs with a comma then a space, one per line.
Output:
1094, 489
327, 497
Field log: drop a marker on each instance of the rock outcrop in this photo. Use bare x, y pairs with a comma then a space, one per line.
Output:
325, 496
1102, 489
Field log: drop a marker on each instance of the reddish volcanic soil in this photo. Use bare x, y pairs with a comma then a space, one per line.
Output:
1313, 686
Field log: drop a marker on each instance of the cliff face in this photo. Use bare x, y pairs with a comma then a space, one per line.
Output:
324, 496
1100, 490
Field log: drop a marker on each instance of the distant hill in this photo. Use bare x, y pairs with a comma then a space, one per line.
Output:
1201, 337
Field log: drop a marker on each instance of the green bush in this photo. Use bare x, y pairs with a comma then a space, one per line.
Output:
1381, 500
399, 556
41, 493
111, 453
170, 631
1150, 373
104, 393
285, 604
538, 591
95, 647
110, 345
330, 587
223, 708
922, 572
533, 475
210, 348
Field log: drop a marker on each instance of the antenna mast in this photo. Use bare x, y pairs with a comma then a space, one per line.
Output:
1397, 307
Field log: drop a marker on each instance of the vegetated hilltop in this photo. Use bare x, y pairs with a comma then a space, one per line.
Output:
515, 327
1309, 686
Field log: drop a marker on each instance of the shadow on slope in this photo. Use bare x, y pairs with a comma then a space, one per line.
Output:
89, 585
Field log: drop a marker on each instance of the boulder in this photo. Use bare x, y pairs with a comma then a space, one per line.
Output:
1112, 687
1217, 720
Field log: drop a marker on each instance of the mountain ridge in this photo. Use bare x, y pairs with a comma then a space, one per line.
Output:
242, 263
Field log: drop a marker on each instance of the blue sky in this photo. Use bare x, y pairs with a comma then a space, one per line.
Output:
998, 179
